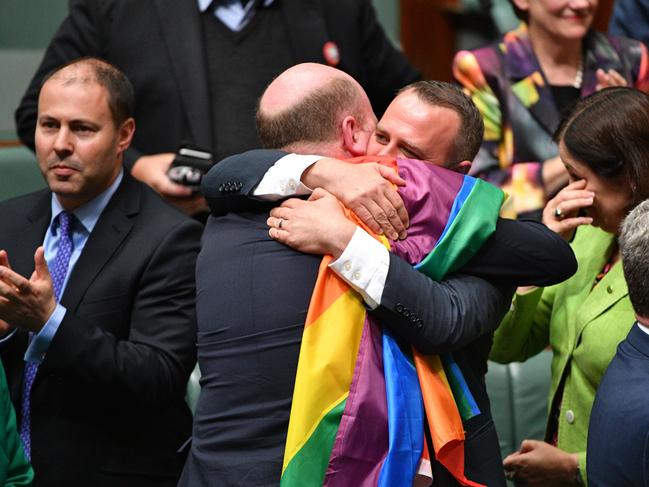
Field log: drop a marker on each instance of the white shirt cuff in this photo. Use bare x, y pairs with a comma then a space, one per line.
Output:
364, 266
283, 178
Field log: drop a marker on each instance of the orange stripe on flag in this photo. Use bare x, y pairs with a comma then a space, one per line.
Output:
443, 417
328, 288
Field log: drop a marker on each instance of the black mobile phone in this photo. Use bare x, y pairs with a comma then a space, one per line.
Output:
189, 166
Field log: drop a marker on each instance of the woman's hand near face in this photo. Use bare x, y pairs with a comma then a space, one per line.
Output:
561, 213
607, 79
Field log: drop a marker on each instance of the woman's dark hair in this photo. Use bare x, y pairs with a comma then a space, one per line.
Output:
609, 132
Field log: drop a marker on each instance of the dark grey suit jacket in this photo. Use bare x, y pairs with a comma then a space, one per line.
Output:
158, 44
108, 400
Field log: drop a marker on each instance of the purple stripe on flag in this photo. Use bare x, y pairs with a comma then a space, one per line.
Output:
429, 205
362, 439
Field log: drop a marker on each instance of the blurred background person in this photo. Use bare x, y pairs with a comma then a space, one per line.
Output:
199, 66
523, 83
630, 18
618, 435
604, 144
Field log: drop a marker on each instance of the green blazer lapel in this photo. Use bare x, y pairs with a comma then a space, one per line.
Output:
528, 83
111, 229
608, 291
181, 26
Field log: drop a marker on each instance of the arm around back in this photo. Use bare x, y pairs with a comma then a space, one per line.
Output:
439, 316
523, 253
228, 186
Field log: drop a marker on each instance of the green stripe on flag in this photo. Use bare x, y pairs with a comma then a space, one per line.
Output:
473, 225
309, 465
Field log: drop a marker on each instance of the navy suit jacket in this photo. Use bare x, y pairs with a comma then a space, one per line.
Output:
618, 434
630, 18
107, 403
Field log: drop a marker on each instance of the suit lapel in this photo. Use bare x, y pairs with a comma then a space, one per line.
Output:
32, 234
110, 231
309, 35
181, 26
528, 84
599, 54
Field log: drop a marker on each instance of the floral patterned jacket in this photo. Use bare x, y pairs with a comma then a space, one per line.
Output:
506, 83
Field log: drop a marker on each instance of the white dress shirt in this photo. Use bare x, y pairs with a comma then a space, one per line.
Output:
364, 263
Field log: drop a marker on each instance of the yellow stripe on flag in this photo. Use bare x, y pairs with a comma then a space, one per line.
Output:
326, 367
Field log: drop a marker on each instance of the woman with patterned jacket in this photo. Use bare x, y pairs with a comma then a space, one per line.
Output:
524, 82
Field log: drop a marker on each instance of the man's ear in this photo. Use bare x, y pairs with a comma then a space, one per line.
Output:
125, 134
354, 137
462, 167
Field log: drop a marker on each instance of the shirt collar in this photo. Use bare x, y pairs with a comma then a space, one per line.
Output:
203, 5
643, 328
89, 213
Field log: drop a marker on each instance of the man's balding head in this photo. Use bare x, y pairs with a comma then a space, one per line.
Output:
309, 105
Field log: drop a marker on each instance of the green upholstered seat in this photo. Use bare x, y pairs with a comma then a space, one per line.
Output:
519, 396
19, 172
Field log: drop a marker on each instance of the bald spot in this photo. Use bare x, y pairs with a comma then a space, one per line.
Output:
296, 83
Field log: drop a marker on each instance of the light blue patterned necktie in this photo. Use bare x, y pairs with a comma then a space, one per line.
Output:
58, 271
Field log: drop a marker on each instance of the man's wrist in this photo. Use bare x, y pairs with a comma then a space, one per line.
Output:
342, 239
316, 175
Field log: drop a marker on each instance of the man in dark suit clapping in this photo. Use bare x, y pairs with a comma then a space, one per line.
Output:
96, 297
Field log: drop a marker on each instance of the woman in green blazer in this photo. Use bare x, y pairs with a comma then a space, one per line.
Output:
15, 470
604, 145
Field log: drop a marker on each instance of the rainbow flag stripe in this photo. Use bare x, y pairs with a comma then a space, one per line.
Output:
361, 397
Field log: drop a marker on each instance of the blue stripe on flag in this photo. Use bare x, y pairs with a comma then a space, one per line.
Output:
405, 416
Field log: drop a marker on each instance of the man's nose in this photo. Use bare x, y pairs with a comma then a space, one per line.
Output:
580, 4
63, 143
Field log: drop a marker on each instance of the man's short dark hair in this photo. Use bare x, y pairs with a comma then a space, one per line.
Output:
121, 97
442, 94
634, 249
315, 119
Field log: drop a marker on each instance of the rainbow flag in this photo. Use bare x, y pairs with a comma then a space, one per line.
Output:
361, 397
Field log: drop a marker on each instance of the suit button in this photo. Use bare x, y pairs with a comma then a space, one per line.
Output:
406, 313
609, 289
399, 308
420, 323
221, 188
570, 416
239, 185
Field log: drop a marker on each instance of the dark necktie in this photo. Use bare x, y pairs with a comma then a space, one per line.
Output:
58, 271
